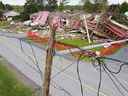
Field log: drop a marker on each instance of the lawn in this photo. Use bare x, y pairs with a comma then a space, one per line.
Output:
81, 43
9, 85
4, 24
75, 42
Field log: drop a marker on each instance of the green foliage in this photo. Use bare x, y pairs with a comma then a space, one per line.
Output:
17, 18
2, 7
9, 85
61, 7
121, 18
118, 13
4, 24
88, 6
73, 7
52, 5
75, 42
5, 7
18, 8
1, 13
95, 7
124, 7
8, 7
30, 8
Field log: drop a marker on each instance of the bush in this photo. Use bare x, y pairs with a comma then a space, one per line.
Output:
124, 7
18, 18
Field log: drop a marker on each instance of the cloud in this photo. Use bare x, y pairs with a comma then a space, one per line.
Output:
14, 2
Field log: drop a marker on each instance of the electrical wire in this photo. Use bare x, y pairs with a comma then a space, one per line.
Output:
113, 81
120, 67
36, 63
100, 81
63, 70
55, 85
35, 57
78, 74
116, 78
112, 77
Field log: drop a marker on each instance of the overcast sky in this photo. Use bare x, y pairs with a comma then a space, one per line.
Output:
72, 2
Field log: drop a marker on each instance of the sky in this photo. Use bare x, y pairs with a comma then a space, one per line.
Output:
72, 2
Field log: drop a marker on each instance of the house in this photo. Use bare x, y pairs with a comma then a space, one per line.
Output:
10, 14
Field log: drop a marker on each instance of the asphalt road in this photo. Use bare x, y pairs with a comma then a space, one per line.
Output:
65, 83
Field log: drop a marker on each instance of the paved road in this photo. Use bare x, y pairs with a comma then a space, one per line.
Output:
10, 49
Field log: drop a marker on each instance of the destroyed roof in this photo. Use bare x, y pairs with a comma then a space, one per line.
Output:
40, 18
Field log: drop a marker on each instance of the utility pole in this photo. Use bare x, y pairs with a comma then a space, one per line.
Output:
49, 61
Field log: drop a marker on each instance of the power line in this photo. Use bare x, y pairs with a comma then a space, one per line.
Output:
113, 81
110, 75
37, 63
116, 78
100, 81
120, 67
61, 88
78, 74
29, 57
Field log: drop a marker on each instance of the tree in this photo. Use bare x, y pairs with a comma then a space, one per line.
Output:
61, 5
124, 7
52, 5
95, 5
114, 10
100, 5
1, 13
29, 8
88, 6
2, 7
8, 7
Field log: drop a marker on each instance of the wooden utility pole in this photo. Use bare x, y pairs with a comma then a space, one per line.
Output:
49, 61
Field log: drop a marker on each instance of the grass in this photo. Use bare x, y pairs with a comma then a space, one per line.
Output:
9, 85
4, 24
81, 43
75, 42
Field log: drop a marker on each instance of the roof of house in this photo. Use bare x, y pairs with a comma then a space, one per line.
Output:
11, 13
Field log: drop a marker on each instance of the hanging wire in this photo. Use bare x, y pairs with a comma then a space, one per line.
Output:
63, 70
55, 85
120, 67
113, 81
35, 57
36, 63
100, 81
111, 74
78, 74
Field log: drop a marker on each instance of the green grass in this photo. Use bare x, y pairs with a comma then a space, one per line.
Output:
4, 24
10, 86
75, 42
81, 43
